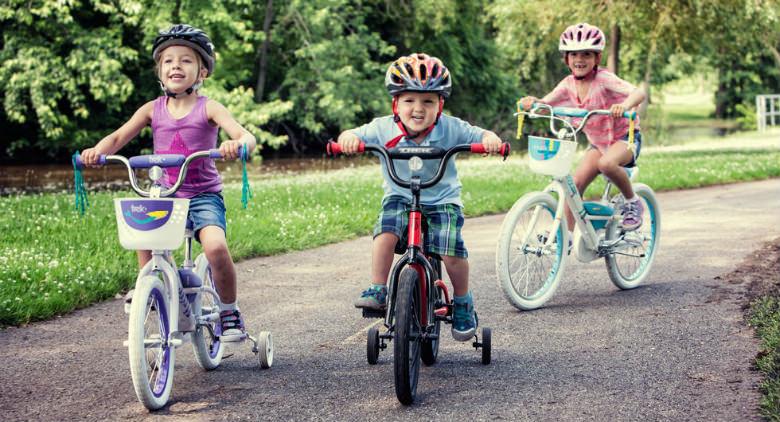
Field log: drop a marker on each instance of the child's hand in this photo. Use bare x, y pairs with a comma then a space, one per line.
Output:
527, 102
229, 150
492, 142
90, 157
349, 142
617, 110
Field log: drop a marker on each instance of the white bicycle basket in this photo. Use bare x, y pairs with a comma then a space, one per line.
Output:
550, 156
150, 224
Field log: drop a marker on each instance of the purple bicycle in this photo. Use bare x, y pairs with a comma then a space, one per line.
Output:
169, 304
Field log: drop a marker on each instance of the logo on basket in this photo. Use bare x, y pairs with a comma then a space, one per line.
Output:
146, 214
542, 149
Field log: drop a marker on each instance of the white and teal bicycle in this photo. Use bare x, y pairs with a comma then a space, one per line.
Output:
534, 240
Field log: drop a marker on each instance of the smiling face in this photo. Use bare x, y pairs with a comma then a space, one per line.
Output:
180, 68
418, 110
582, 63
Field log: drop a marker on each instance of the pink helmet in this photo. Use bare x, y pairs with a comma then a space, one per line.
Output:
582, 37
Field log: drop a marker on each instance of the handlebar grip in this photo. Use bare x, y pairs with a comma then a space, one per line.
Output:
333, 149
214, 153
80, 163
480, 149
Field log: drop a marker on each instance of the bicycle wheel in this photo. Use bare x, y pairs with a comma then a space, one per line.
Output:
205, 339
528, 272
151, 356
630, 260
406, 347
430, 347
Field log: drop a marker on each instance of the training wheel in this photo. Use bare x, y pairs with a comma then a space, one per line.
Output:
265, 352
486, 345
372, 346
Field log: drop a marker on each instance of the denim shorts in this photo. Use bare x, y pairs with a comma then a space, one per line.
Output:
441, 228
206, 209
637, 145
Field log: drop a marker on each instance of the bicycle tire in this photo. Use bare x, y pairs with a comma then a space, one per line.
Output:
430, 347
151, 356
628, 272
528, 275
206, 346
406, 347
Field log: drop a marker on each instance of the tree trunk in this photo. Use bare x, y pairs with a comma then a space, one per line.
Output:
176, 15
614, 49
720, 97
263, 59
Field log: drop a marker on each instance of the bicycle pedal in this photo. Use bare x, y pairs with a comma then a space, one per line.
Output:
442, 312
373, 313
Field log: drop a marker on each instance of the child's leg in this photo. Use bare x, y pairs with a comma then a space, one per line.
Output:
443, 237
611, 165
391, 221
382, 251
212, 238
458, 270
143, 258
586, 171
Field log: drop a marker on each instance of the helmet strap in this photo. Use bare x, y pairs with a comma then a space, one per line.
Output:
196, 86
404, 132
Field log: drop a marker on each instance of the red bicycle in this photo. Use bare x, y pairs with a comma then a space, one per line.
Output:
418, 300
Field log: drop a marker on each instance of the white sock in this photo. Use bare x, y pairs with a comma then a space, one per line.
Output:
632, 199
228, 306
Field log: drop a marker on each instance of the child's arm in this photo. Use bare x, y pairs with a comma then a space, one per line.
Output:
554, 96
348, 142
491, 141
119, 138
220, 115
634, 99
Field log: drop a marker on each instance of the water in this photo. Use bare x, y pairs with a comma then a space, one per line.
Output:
24, 179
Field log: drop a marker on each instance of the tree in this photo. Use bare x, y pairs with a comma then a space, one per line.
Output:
70, 71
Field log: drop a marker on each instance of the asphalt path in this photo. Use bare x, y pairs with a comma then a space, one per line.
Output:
676, 348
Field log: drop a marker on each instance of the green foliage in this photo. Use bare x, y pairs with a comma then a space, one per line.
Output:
73, 71
765, 318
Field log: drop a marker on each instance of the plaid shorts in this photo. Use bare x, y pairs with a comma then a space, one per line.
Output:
441, 228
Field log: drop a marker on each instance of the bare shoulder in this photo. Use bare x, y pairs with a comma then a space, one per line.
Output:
215, 108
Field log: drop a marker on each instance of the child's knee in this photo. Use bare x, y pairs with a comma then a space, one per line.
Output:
607, 164
454, 261
216, 251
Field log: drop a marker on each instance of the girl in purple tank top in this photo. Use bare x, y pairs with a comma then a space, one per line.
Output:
184, 122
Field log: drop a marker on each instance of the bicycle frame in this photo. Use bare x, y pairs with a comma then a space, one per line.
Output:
564, 187
414, 255
162, 262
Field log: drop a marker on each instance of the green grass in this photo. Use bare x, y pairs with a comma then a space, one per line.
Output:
765, 318
53, 261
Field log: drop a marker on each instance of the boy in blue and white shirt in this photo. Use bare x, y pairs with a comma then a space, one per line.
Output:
419, 85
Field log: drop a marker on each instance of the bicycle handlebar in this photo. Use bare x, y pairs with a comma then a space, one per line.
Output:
425, 153
555, 112
158, 160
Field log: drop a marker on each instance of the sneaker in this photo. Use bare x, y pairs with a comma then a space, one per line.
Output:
232, 326
464, 321
632, 215
374, 297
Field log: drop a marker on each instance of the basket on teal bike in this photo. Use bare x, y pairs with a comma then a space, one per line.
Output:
550, 156
151, 224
